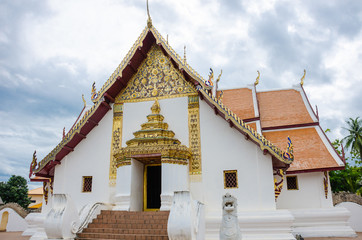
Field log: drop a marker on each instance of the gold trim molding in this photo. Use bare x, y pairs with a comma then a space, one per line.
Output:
156, 78
116, 141
194, 134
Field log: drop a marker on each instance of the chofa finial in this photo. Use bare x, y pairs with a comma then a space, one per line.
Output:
302, 79
257, 79
85, 103
218, 78
149, 20
184, 54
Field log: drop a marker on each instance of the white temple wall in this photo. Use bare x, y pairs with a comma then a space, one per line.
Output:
136, 186
91, 157
310, 193
175, 111
224, 148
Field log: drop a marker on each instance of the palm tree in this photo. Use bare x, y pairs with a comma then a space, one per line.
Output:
354, 139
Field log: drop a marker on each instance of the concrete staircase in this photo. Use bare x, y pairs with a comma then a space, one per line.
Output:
127, 225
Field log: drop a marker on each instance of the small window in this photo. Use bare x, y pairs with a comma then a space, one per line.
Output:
87, 184
231, 179
292, 183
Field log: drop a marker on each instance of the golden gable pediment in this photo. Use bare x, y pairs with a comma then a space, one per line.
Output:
156, 78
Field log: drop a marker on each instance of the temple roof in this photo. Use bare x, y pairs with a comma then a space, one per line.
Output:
284, 113
119, 80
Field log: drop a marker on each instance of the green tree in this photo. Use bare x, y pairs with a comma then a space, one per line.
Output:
354, 139
349, 179
15, 190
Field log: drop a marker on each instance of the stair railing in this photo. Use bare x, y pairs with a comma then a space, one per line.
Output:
88, 213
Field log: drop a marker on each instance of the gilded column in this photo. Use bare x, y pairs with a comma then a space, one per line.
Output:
194, 134
116, 140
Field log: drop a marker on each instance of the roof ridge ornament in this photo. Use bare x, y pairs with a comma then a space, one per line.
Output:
85, 103
94, 94
257, 79
149, 20
184, 54
302, 79
156, 107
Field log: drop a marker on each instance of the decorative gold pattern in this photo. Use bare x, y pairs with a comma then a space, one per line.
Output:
154, 138
194, 134
116, 141
45, 191
325, 184
278, 182
156, 78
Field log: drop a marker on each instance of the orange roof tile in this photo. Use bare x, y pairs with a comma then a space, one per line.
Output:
253, 125
283, 107
309, 149
240, 101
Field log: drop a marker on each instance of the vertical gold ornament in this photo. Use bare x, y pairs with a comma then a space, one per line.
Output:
194, 134
116, 141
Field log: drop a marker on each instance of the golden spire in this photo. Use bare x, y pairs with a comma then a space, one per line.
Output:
184, 54
85, 103
302, 79
149, 20
257, 79
156, 107
167, 39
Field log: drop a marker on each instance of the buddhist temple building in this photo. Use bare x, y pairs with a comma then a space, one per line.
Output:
162, 142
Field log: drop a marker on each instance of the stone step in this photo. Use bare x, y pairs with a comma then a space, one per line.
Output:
127, 225
84, 236
126, 231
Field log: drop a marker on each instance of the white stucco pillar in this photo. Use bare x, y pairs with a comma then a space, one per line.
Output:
175, 177
123, 188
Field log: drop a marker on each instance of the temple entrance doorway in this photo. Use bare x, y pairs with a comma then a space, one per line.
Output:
152, 187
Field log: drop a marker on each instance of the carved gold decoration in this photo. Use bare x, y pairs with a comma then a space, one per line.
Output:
45, 191
257, 79
302, 79
325, 184
154, 139
194, 134
278, 182
156, 78
116, 141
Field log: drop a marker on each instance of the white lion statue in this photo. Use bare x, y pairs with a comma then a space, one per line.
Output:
229, 229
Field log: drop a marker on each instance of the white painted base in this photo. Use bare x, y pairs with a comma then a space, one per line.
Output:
166, 202
255, 225
35, 226
322, 222
123, 202
355, 209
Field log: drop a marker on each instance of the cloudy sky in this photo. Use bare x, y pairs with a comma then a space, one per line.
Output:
52, 51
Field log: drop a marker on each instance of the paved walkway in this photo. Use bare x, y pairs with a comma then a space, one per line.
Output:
12, 236
17, 236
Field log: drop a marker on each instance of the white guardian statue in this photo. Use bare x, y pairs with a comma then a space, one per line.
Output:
229, 229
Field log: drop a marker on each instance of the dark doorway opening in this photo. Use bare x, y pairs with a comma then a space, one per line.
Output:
153, 187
